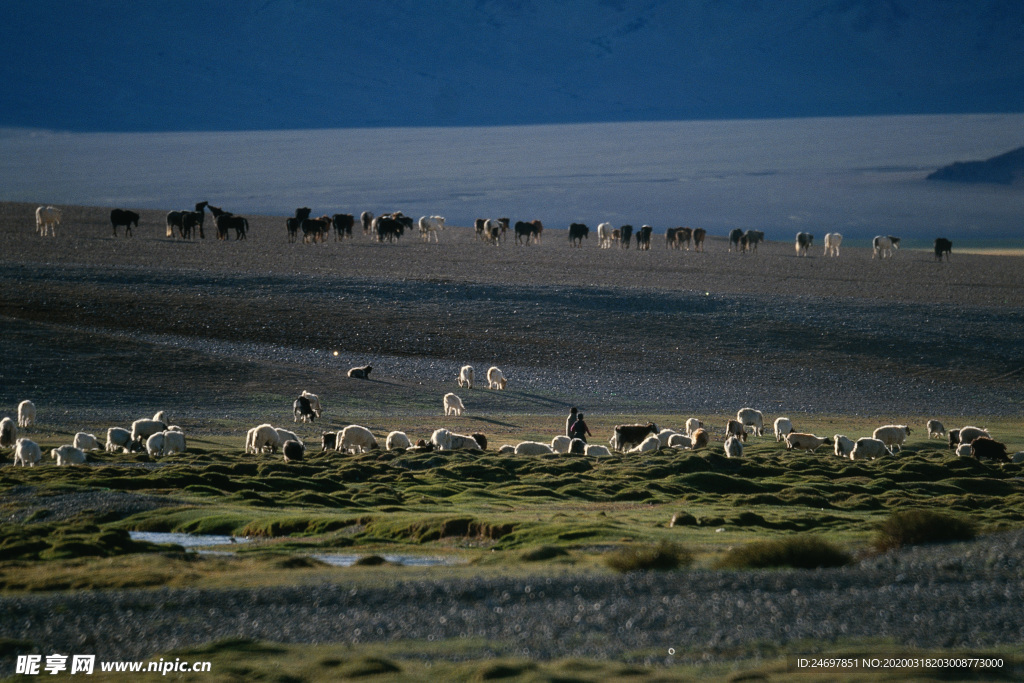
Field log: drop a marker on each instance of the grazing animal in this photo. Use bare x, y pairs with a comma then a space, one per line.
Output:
943, 246
388, 227
293, 224
496, 379
560, 444
963, 450
884, 245
893, 436
155, 444
284, 434
302, 409
577, 447
624, 436
87, 442
680, 441
532, 448
441, 439
328, 441
643, 237
430, 225
805, 442
750, 240
596, 450
259, 439
804, 241
700, 439
935, 429
314, 402
466, 377
68, 455
753, 418
316, 229
733, 447
160, 416
293, 451
362, 372
984, 447
665, 434
832, 242
174, 442
682, 238
143, 429
125, 218
343, 224
192, 222
356, 438
527, 231
965, 435
397, 440
227, 221
604, 235
734, 239
453, 405
26, 413
118, 437
648, 445
735, 428
577, 233
27, 452
869, 449
8, 432
698, 239
626, 234
366, 219
842, 446
462, 442
47, 220
692, 425
783, 426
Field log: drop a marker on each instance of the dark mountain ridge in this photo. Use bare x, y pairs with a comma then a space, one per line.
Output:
1004, 169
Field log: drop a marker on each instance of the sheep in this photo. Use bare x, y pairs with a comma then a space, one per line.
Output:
174, 428
680, 441
285, 435
118, 437
700, 438
594, 449
805, 442
87, 442
442, 439
935, 429
328, 441
892, 435
314, 402
496, 379
868, 448
26, 414
466, 377
963, 450
842, 445
302, 409
665, 434
160, 416
783, 426
396, 440
651, 443
733, 447
155, 444
754, 418
507, 449
27, 453
293, 451
453, 405
480, 439
692, 425
560, 444
965, 435
578, 447
356, 437
624, 436
68, 455
8, 432
262, 437
360, 372
735, 428
143, 429
461, 442
174, 442
984, 447
533, 448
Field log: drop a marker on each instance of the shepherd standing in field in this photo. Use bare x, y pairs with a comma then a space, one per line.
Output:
579, 429
570, 420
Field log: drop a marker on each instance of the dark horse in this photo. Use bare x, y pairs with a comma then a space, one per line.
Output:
125, 218
293, 224
229, 221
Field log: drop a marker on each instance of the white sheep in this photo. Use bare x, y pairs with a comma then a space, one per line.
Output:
453, 405
26, 414
359, 439
287, 435
680, 441
665, 434
963, 450
8, 432
596, 449
155, 444
648, 445
533, 448
969, 434
692, 425
397, 440
507, 449
87, 442
496, 379
27, 452
464, 442
736, 428
143, 429
842, 445
892, 435
733, 447
560, 444
262, 437
802, 441
118, 437
935, 429
68, 455
783, 426
174, 442
754, 418
868, 449
466, 377
160, 416
442, 439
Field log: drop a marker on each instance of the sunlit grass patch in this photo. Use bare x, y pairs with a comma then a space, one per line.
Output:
664, 556
914, 527
799, 552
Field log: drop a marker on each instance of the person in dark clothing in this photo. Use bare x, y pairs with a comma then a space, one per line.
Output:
579, 429
570, 420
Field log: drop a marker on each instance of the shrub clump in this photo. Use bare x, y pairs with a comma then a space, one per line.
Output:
914, 527
664, 556
799, 552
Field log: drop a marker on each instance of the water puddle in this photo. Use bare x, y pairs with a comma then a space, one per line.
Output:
404, 560
185, 540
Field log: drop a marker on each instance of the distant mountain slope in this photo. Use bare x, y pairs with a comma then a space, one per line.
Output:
123, 65
1005, 169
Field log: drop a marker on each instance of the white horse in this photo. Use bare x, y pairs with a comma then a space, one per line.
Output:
47, 220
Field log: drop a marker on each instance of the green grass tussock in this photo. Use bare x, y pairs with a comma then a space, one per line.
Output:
665, 556
799, 552
914, 527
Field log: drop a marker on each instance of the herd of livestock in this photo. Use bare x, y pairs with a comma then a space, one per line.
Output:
189, 224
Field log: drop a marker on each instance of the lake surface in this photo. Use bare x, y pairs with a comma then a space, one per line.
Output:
859, 176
